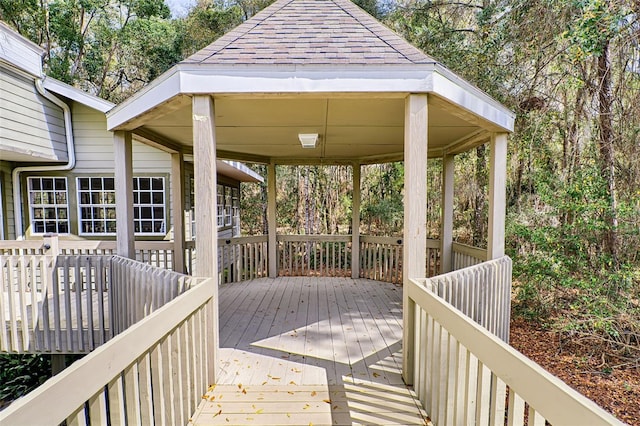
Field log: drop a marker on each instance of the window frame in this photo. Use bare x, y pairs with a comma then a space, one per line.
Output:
32, 205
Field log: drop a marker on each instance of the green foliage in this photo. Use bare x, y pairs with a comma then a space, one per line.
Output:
20, 374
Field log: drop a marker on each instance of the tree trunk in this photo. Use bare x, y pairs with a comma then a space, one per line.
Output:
479, 224
606, 149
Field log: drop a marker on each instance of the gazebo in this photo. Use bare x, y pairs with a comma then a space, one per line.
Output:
313, 82
302, 82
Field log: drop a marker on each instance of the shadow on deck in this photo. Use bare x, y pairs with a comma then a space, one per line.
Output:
310, 351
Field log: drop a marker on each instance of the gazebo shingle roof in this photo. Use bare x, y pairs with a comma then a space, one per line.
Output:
311, 32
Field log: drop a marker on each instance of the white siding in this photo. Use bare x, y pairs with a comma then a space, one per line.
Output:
31, 127
94, 146
95, 155
7, 200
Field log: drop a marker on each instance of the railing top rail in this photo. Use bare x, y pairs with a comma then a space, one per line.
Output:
244, 240
315, 237
389, 240
54, 398
551, 397
20, 244
472, 251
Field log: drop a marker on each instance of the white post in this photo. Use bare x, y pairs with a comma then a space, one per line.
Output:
177, 206
271, 220
415, 216
204, 167
355, 223
497, 195
446, 230
123, 157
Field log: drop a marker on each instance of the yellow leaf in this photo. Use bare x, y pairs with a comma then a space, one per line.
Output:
239, 385
314, 393
376, 374
328, 401
259, 411
275, 378
293, 383
244, 391
306, 407
264, 383
212, 397
218, 413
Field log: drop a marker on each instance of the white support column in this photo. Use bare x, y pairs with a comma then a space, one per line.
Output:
177, 207
415, 216
497, 195
446, 230
272, 220
123, 158
355, 223
204, 167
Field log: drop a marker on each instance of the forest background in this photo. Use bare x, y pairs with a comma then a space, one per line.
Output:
569, 69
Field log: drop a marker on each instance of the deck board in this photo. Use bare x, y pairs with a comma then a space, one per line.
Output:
309, 350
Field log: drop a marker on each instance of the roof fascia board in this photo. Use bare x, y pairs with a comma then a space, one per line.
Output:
306, 81
19, 51
459, 92
77, 95
152, 96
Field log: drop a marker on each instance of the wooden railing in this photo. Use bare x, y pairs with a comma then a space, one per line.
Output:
464, 256
73, 304
156, 253
242, 258
482, 292
323, 255
463, 374
155, 372
381, 258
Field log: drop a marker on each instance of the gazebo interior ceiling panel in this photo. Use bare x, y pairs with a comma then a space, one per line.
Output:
349, 128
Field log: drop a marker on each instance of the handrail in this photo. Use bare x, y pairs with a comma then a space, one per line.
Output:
324, 255
242, 258
464, 255
74, 303
156, 372
463, 374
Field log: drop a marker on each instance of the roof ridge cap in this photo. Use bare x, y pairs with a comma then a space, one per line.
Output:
276, 6
350, 6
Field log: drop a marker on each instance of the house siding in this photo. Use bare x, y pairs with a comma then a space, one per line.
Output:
30, 125
7, 201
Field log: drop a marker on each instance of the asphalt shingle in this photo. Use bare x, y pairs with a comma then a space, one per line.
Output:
311, 32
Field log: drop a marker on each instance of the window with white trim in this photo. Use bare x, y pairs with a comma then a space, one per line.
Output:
48, 205
220, 205
228, 207
236, 207
96, 205
148, 205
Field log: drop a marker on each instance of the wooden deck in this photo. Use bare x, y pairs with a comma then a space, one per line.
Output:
309, 350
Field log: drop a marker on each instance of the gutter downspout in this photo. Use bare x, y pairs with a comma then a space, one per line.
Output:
71, 153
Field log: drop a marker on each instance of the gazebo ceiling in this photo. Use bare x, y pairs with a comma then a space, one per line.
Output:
312, 66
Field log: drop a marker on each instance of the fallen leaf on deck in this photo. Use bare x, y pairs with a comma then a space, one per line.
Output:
306, 407
239, 385
217, 414
211, 387
376, 375
244, 391
328, 401
260, 411
212, 397
293, 383
314, 393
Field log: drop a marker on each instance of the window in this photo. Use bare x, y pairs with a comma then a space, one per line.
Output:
148, 205
228, 207
236, 207
96, 205
97, 211
48, 205
220, 205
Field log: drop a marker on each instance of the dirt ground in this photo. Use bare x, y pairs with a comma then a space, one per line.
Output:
617, 391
